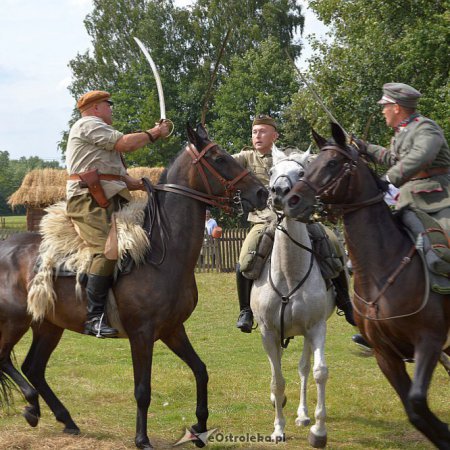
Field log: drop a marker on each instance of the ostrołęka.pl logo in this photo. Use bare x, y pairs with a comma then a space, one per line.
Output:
219, 437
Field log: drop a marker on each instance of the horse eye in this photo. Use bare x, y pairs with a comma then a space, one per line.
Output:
332, 163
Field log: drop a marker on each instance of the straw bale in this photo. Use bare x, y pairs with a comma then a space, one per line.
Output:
43, 187
40, 187
152, 173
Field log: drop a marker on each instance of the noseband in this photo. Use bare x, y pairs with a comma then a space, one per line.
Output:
347, 170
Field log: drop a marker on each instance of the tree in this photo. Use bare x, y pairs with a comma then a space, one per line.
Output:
259, 82
12, 173
375, 43
184, 44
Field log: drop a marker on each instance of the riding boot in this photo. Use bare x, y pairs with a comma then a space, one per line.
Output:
97, 294
244, 287
342, 298
358, 339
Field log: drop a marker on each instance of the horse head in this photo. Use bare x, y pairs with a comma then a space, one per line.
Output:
338, 179
214, 173
288, 167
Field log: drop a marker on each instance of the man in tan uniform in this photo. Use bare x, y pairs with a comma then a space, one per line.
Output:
98, 185
259, 160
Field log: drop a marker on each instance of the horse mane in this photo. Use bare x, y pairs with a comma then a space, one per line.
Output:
163, 177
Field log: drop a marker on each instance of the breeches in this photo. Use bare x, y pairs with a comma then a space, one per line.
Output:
93, 224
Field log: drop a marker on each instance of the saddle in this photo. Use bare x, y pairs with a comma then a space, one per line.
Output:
432, 240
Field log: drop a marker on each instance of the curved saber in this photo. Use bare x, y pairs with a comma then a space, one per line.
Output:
162, 105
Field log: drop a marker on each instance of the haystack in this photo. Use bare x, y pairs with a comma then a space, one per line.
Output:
43, 187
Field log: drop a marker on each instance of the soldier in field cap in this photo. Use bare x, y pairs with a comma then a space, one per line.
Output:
258, 159
98, 185
418, 157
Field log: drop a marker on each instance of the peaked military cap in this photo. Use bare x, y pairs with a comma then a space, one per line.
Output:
401, 94
262, 119
91, 97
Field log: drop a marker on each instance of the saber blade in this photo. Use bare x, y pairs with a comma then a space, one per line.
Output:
162, 104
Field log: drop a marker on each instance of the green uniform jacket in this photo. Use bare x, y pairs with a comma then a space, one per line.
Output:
260, 166
419, 145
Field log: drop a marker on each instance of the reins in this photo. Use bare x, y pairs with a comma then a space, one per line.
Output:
286, 298
347, 170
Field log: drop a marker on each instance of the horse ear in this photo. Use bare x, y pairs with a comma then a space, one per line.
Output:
318, 139
277, 154
192, 134
201, 131
338, 134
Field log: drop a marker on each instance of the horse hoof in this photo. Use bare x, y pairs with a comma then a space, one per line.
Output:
317, 441
72, 431
302, 422
31, 418
195, 429
144, 445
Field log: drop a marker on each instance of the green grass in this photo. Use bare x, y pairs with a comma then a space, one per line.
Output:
94, 380
13, 222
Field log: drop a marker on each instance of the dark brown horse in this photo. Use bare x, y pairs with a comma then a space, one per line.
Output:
154, 300
394, 308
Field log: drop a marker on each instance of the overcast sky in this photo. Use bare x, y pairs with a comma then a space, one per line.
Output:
38, 38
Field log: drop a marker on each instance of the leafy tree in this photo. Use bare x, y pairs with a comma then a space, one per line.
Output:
375, 43
260, 82
184, 43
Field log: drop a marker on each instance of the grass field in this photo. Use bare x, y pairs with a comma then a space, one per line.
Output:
94, 380
13, 222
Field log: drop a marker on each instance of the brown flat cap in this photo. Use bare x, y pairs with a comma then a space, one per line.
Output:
91, 97
265, 120
401, 94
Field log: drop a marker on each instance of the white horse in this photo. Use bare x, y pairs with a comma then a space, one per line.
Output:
292, 276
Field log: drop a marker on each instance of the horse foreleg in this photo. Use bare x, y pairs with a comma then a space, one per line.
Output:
304, 367
271, 343
421, 416
46, 337
318, 432
179, 343
142, 354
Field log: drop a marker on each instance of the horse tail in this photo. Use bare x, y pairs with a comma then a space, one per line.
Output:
6, 388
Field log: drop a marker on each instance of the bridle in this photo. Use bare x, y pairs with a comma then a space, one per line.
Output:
347, 170
288, 159
231, 196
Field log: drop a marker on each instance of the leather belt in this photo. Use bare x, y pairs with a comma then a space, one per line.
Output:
430, 172
101, 176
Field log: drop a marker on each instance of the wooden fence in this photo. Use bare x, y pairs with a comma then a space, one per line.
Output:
217, 255
222, 254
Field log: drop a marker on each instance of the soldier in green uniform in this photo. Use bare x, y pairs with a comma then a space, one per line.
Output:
97, 186
418, 157
259, 160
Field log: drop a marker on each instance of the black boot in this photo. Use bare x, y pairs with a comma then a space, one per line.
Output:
97, 293
342, 298
244, 287
358, 339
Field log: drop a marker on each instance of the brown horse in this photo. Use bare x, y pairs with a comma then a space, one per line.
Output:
394, 308
154, 300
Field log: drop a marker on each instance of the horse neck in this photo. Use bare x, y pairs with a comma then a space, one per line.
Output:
184, 216
372, 237
286, 254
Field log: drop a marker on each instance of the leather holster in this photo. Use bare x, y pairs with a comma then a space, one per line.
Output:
92, 180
